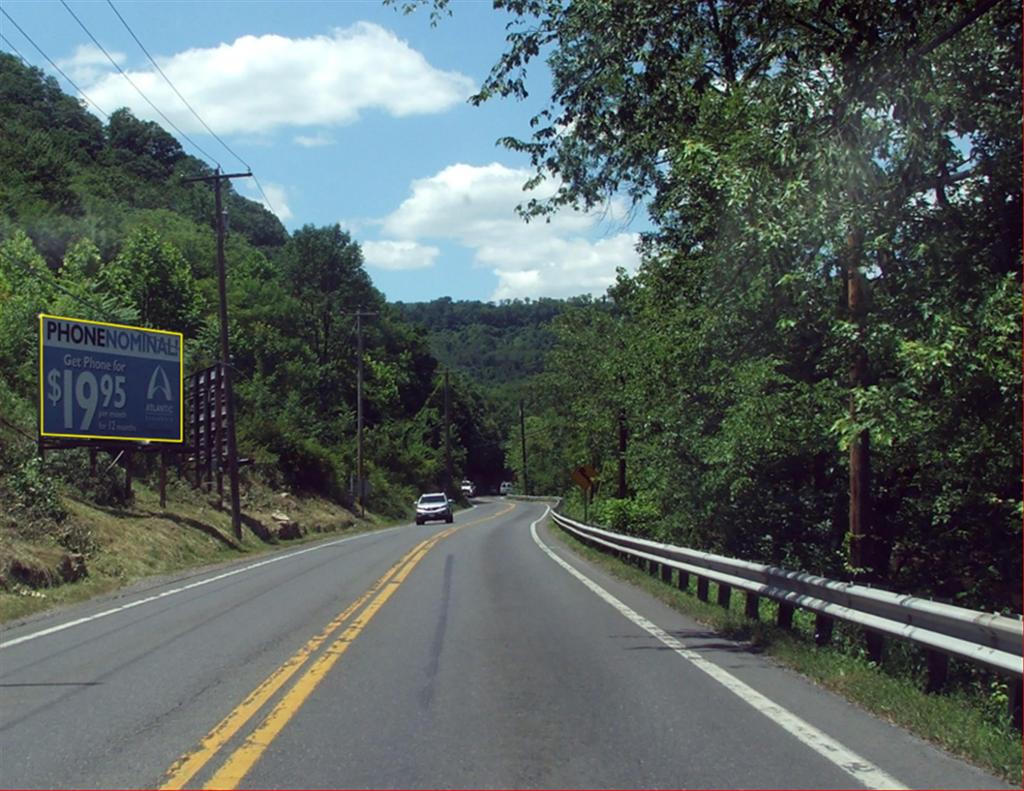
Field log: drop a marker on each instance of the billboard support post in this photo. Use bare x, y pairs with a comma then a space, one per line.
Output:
163, 480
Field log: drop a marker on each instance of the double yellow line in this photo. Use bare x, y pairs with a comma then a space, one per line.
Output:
241, 761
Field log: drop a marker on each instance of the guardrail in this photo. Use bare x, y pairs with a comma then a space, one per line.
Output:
989, 639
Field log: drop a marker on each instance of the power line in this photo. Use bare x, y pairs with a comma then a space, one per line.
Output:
136, 87
191, 109
14, 49
58, 68
259, 186
173, 88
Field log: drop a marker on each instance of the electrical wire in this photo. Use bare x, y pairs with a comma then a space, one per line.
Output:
138, 90
185, 101
13, 48
266, 200
58, 68
174, 88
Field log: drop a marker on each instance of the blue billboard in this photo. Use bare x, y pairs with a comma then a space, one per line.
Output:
109, 381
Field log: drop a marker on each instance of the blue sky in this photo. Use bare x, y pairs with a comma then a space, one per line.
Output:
350, 112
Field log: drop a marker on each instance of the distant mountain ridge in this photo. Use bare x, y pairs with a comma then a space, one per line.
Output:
494, 344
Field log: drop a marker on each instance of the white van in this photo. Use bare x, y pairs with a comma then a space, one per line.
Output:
506, 487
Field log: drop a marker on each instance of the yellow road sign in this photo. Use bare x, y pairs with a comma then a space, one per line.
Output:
584, 477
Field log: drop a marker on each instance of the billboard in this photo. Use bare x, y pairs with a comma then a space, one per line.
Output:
109, 381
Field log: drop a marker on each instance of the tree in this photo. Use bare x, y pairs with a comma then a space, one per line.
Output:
143, 145
324, 267
152, 275
833, 187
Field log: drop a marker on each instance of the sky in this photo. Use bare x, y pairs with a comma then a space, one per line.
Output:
353, 113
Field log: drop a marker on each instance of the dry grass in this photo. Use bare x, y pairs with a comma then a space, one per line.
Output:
132, 543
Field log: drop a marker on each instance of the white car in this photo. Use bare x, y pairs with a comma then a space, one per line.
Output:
506, 487
434, 507
468, 488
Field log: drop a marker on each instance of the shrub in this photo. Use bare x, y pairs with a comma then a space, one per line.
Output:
35, 491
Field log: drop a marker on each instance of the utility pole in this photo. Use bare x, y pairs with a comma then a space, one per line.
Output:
360, 484
217, 178
622, 454
447, 438
522, 437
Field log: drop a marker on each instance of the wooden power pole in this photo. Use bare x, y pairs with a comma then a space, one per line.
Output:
522, 437
360, 483
447, 438
225, 357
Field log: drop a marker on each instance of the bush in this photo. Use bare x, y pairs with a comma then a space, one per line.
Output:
105, 487
76, 537
34, 491
637, 516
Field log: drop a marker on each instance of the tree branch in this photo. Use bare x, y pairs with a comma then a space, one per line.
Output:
979, 10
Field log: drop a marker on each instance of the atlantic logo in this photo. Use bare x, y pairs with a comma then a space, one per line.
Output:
163, 385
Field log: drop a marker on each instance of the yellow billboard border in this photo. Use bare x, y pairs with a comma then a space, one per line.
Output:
181, 380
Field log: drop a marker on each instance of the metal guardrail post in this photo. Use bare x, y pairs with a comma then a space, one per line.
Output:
875, 646
938, 671
724, 595
702, 588
785, 616
684, 580
822, 629
752, 608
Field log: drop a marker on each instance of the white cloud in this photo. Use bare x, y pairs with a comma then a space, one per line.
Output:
572, 267
88, 63
276, 194
475, 207
394, 255
259, 83
314, 141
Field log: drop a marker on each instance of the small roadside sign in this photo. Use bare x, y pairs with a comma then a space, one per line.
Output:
584, 477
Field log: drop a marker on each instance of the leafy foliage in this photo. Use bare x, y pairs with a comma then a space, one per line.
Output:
836, 197
96, 223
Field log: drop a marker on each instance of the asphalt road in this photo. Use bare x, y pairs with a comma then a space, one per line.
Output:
482, 654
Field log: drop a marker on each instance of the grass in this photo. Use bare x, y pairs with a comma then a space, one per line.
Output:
126, 545
968, 723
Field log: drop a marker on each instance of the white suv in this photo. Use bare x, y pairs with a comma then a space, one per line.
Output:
434, 506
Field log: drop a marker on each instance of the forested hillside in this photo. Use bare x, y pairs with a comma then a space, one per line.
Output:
96, 223
500, 347
494, 344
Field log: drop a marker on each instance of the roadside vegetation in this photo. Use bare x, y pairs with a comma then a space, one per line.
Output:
61, 544
817, 363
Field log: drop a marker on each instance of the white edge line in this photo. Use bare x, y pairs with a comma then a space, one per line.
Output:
114, 610
861, 770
